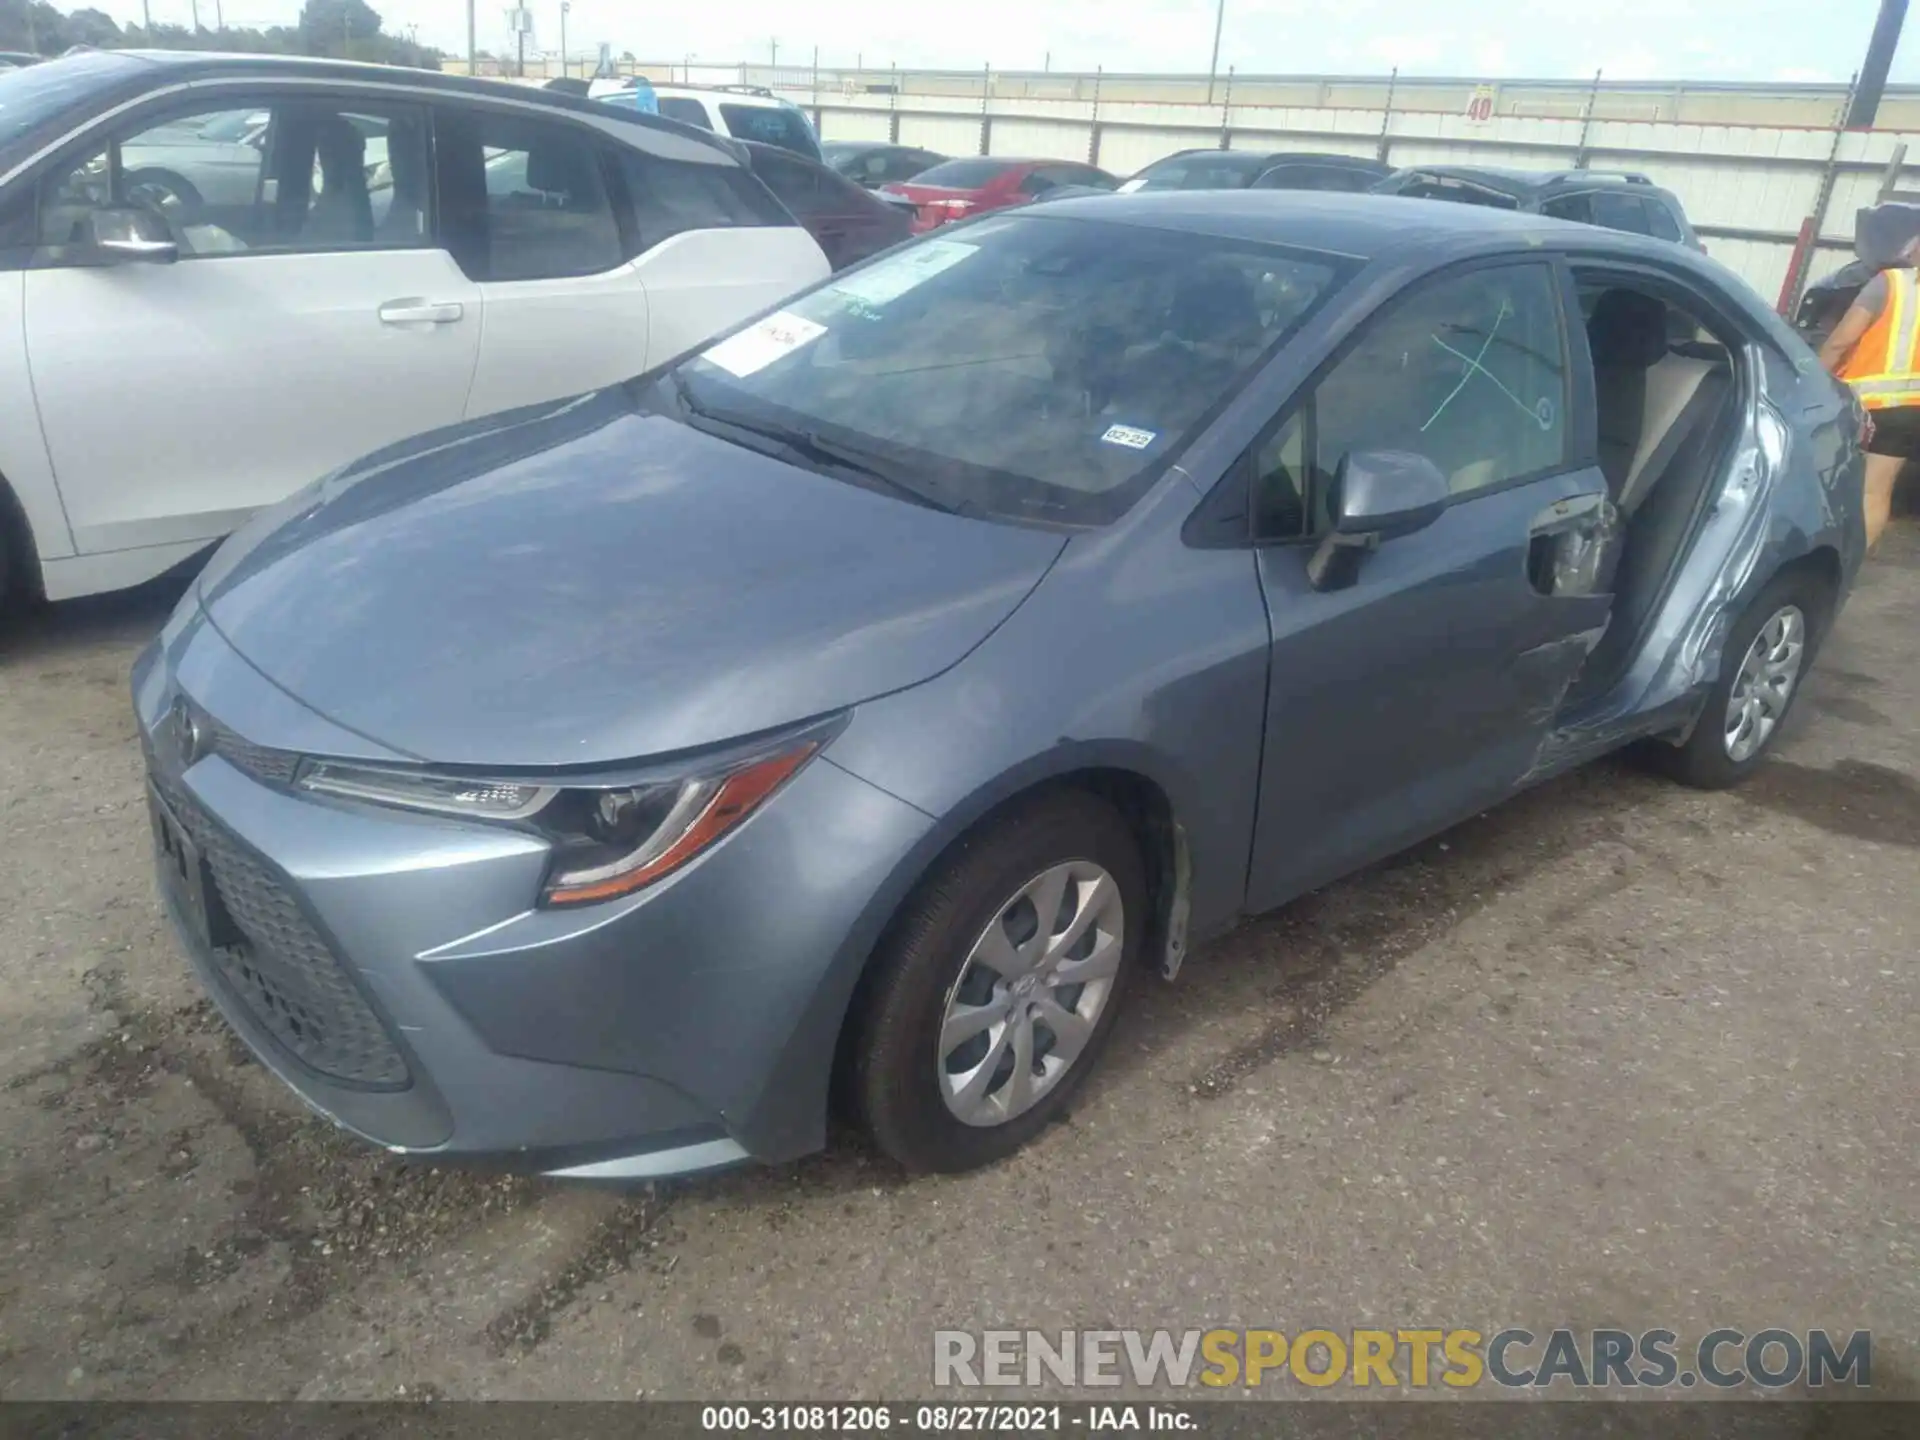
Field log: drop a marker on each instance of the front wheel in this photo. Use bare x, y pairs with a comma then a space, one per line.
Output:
997, 987
1768, 652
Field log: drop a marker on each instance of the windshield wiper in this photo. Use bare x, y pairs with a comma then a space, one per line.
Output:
811, 446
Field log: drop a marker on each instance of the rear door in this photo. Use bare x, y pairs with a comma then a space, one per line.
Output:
311, 315
710, 244
527, 207
1424, 690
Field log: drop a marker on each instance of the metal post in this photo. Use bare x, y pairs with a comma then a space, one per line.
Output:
219, 17
196, 15
1226, 108
1797, 267
146, 17
1586, 123
773, 54
1386, 117
893, 103
565, 6
1890, 177
986, 103
473, 41
1872, 81
1213, 65
1093, 131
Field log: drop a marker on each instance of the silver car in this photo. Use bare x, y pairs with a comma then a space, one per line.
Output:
881, 693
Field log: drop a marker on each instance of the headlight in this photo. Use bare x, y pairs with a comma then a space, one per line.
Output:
607, 840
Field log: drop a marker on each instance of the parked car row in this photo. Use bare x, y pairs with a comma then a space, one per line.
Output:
659, 674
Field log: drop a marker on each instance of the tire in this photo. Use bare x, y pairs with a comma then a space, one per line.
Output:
909, 1094
1708, 760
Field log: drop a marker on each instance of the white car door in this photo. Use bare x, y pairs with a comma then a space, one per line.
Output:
526, 207
308, 319
601, 258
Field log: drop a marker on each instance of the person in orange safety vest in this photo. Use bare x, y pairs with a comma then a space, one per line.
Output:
1876, 349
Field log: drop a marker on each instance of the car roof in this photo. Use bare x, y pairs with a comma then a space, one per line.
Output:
1275, 157
187, 65
1361, 226
1537, 182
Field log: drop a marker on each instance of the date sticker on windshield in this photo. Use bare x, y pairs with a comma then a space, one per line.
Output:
758, 346
1128, 436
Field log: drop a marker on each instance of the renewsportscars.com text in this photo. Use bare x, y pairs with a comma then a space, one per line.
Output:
1722, 1359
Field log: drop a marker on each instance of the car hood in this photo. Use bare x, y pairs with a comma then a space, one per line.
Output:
590, 582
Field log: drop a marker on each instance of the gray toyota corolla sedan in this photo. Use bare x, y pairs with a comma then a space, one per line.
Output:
881, 693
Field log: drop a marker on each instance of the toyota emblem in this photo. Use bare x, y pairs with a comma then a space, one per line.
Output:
187, 738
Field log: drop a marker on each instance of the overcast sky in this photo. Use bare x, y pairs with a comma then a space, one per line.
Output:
1627, 39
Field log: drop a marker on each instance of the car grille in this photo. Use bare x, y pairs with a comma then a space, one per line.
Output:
283, 972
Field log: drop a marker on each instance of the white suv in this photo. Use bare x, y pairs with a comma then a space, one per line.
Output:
222, 277
743, 112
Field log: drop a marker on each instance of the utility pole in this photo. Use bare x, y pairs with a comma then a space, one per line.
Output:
146, 18
565, 6
773, 54
196, 15
1213, 65
219, 17
1873, 70
473, 41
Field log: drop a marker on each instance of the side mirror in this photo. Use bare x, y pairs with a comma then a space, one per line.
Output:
131, 232
1378, 495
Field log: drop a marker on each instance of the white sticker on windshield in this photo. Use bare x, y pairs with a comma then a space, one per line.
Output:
758, 346
1128, 436
1139, 182
892, 277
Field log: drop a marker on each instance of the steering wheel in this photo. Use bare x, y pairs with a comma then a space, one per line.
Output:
171, 196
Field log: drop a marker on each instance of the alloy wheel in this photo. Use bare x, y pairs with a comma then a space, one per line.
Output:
1764, 686
1025, 1003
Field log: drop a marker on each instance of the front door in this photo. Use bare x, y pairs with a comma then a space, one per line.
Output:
1422, 691
308, 319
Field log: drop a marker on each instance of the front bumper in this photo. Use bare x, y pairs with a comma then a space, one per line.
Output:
393, 969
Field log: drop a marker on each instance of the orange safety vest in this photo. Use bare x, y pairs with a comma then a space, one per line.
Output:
1884, 368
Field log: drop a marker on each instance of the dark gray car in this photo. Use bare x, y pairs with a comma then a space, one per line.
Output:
885, 690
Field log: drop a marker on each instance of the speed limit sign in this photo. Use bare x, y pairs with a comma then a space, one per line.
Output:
1480, 103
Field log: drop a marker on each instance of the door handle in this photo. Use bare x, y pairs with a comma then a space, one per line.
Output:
420, 312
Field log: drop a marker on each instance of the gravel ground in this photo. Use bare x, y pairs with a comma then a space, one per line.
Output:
1615, 1054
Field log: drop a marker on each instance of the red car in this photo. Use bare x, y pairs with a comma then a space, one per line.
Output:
960, 188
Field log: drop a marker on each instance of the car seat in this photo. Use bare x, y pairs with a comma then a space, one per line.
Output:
342, 212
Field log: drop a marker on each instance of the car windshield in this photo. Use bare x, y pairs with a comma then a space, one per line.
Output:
771, 125
33, 95
962, 174
1026, 368
1216, 170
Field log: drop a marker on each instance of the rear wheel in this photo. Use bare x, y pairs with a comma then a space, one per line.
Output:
1768, 653
997, 987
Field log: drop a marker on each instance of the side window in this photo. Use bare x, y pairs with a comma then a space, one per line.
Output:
1665, 226
666, 197
275, 176
1570, 207
878, 168
1469, 371
687, 112
524, 199
1039, 181
1620, 212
